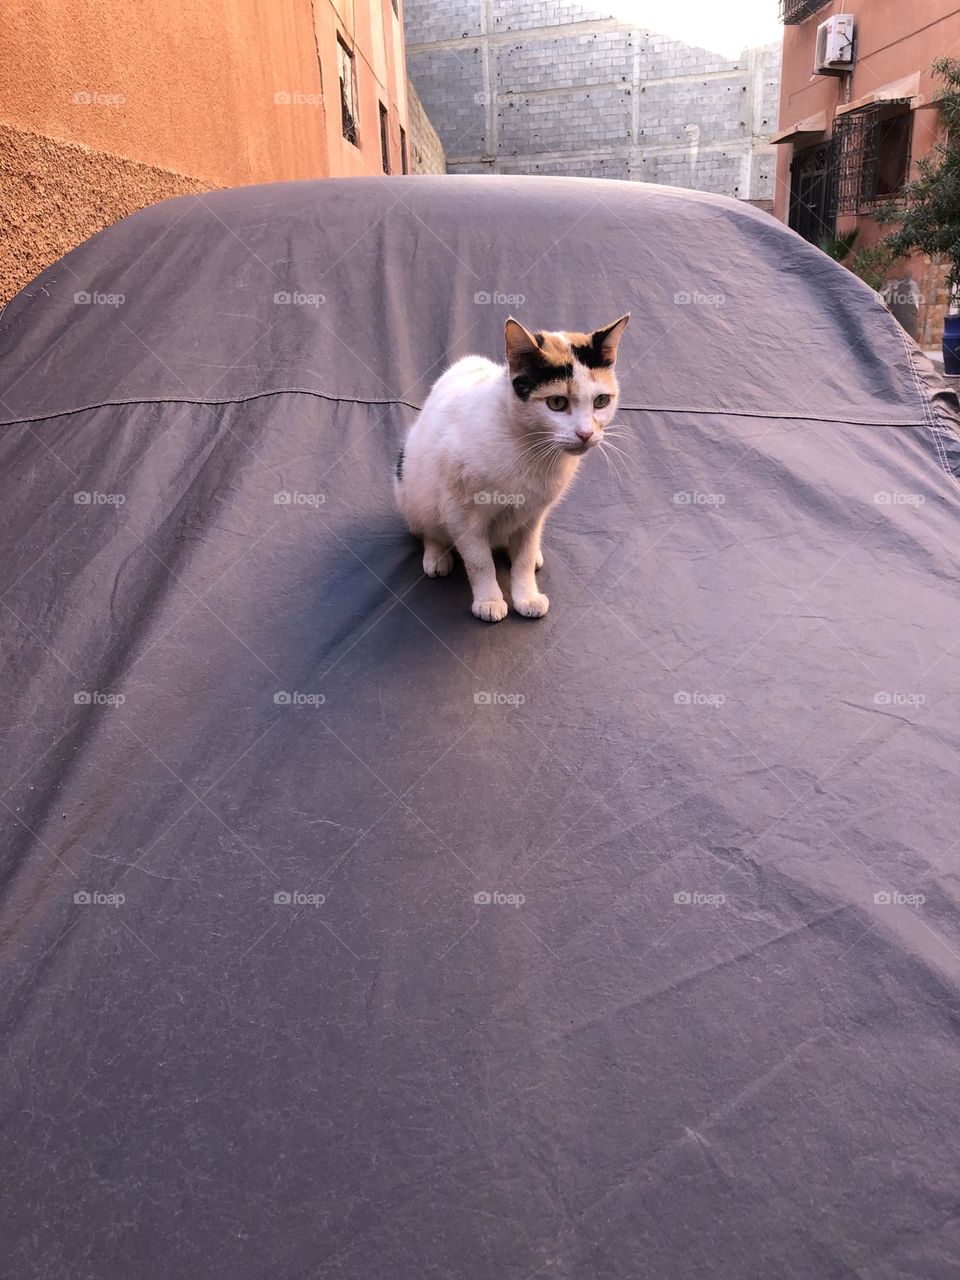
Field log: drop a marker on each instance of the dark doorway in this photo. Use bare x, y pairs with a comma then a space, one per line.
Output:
812, 193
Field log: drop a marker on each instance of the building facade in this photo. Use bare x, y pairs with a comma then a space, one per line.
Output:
850, 136
527, 86
106, 108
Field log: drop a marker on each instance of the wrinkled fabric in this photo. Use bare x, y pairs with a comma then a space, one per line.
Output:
346, 936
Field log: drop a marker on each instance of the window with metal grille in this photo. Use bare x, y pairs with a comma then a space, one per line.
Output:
793, 12
349, 117
872, 147
404, 159
384, 139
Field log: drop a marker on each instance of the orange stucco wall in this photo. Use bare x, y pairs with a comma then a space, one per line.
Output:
102, 101
895, 39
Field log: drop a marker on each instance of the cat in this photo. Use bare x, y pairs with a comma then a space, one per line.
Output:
495, 447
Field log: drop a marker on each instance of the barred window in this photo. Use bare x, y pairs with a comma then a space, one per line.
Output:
872, 147
348, 94
793, 12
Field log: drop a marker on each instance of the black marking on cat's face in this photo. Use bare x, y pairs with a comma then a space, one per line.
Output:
591, 356
400, 465
538, 373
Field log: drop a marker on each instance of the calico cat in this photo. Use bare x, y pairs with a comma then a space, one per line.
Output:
493, 450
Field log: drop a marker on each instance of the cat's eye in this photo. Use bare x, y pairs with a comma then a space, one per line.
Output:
557, 403
601, 401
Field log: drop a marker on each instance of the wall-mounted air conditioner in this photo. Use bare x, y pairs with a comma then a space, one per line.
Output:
835, 46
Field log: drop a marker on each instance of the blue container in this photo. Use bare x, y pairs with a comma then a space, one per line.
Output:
951, 347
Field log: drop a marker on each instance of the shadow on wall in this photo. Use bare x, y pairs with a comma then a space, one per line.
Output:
55, 194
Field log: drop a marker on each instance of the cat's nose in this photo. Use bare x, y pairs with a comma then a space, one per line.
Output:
585, 433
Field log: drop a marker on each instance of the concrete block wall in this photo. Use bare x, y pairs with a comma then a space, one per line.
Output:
530, 86
424, 148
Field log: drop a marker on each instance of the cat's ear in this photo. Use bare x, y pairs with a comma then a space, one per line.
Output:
606, 341
520, 343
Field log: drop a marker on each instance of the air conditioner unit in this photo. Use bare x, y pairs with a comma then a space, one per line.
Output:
835, 47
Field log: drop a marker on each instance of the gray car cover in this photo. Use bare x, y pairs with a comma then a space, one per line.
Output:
344, 935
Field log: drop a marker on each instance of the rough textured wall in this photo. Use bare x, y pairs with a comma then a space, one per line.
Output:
562, 88
108, 107
55, 194
194, 86
423, 142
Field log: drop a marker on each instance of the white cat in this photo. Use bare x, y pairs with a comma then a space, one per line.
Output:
493, 450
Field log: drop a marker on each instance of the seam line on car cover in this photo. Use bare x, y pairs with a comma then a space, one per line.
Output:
931, 418
322, 395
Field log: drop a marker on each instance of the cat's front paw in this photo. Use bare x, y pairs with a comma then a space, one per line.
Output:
437, 566
532, 606
489, 610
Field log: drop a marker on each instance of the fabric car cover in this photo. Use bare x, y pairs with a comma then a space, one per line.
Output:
344, 935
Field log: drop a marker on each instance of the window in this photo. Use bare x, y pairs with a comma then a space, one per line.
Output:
348, 95
396, 7
404, 161
873, 146
793, 12
384, 139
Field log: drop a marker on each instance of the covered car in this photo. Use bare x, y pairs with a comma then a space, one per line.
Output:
345, 936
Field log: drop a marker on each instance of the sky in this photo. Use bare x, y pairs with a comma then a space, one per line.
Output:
726, 28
